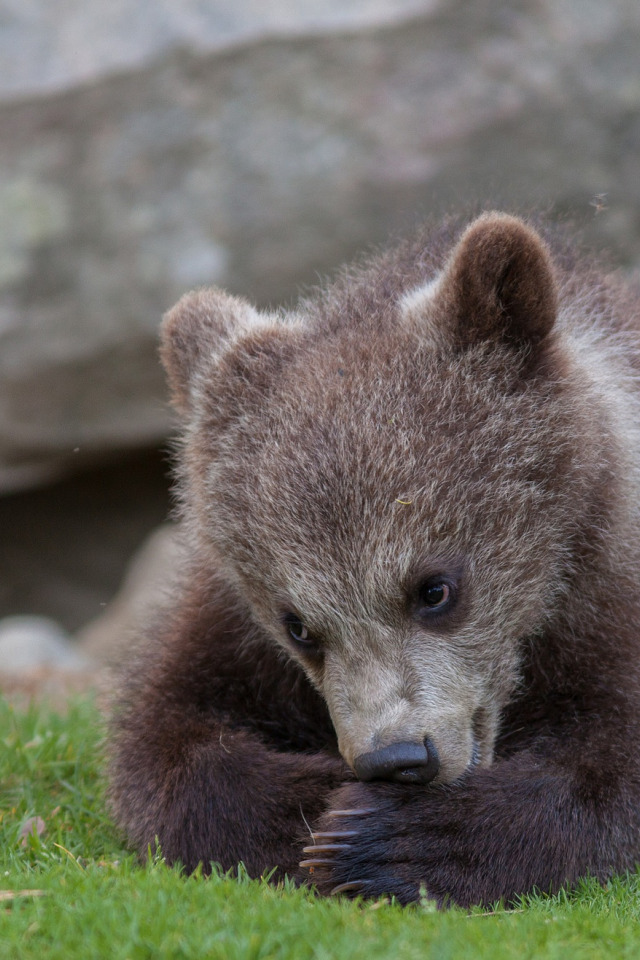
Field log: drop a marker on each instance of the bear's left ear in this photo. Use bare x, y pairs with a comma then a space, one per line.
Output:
497, 286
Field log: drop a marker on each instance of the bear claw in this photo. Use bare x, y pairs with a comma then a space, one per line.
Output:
359, 812
333, 834
351, 887
326, 847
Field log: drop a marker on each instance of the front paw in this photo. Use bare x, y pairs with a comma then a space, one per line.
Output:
358, 845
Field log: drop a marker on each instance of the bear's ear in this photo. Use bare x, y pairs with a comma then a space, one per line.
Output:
497, 286
197, 331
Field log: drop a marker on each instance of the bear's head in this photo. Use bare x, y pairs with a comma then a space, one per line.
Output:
386, 474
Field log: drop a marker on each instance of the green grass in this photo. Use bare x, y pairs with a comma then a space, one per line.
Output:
85, 896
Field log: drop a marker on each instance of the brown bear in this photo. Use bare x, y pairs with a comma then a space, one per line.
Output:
404, 654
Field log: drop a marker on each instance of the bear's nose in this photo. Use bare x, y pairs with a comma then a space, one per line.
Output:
400, 762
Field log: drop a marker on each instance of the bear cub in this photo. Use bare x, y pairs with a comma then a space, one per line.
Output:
404, 650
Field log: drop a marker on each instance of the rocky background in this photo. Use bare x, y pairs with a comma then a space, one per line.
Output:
150, 147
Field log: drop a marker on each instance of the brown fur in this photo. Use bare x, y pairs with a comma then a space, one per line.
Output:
465, 407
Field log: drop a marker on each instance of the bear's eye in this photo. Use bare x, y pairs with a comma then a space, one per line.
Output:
298, 631
435, 595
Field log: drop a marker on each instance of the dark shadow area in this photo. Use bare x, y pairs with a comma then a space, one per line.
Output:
64, 548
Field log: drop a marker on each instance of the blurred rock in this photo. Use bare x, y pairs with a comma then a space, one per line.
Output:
148, 148
29, 643
148, 580
45, 46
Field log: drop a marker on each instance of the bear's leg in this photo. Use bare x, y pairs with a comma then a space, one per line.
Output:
219, 750
222, 797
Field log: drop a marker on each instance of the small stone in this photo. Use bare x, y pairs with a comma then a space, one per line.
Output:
34, 825
29, 643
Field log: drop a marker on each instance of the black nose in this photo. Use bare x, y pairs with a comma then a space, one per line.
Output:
401, 762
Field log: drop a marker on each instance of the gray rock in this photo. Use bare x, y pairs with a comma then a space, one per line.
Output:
148, 148
150, 577
45, 46
29, 643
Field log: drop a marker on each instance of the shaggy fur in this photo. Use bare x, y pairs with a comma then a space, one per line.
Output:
462, 410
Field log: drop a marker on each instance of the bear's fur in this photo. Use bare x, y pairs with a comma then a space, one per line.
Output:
411, 510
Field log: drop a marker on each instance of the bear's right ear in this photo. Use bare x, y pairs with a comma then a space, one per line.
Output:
196, 332
498, 286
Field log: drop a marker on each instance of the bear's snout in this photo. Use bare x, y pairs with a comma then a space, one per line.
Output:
401, 762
